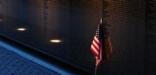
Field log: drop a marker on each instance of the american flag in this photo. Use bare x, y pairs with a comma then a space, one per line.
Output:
101, 45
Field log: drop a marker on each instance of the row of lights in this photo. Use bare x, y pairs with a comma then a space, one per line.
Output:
22, 29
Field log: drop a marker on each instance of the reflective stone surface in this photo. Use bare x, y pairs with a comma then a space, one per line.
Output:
74, 23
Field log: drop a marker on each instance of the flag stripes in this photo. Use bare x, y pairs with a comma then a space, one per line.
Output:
96, 47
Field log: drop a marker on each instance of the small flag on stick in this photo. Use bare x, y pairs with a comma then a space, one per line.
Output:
101, 46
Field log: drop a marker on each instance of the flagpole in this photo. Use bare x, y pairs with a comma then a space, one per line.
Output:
95, 72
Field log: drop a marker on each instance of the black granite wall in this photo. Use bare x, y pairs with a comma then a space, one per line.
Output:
128, 35
150, 65
75, 21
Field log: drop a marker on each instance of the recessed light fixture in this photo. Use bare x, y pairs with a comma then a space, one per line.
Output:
55, 41
22, 29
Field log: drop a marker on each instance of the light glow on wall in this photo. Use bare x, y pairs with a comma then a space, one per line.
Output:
55, 41
21, 29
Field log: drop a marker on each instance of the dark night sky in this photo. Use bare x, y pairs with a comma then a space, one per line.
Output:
75, 21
